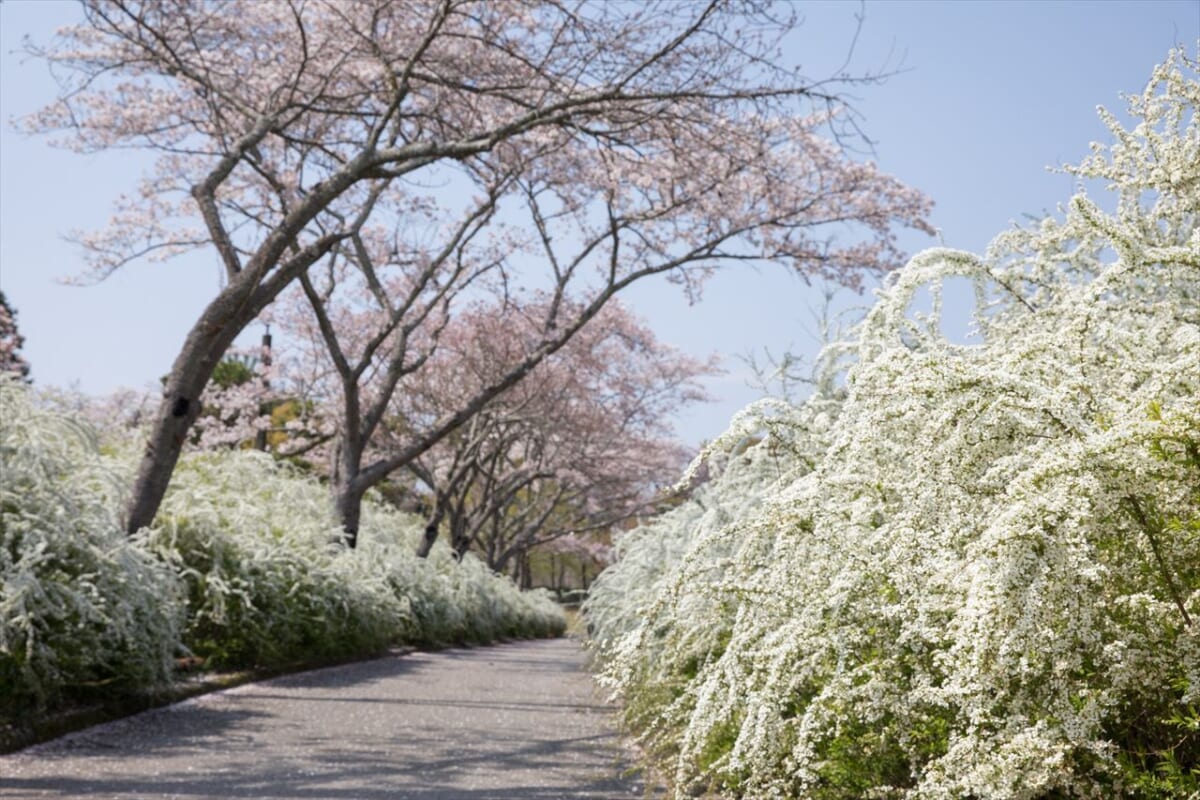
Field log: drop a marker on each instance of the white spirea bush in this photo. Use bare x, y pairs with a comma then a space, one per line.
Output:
242, 567
988, 585
268, 581
668, 608
82, 608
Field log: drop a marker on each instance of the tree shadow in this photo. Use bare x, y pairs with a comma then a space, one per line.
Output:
570, 768
424, 737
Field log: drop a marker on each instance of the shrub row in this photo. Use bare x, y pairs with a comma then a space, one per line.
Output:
241, 568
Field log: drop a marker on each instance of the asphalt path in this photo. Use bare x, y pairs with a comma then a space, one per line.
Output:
513, 721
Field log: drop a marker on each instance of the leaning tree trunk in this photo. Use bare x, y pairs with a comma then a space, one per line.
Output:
203, 349
219, 324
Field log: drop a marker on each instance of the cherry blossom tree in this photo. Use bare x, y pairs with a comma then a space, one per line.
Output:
251, 403
577, 446
662, 134
236, 405
11, 342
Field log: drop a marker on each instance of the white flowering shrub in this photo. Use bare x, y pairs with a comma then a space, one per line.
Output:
465, 602
988, 585
83, 610
668, 608
241, 567
268, 581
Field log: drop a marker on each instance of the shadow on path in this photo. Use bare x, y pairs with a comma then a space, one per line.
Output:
514, 721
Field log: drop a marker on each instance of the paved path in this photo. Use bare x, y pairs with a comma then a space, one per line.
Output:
509, 722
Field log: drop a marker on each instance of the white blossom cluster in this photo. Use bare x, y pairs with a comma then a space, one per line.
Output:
80, 602
986, 582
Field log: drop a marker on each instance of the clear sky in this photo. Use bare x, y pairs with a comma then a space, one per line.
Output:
988, 94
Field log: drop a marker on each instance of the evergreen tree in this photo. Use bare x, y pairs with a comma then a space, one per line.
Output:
11, 342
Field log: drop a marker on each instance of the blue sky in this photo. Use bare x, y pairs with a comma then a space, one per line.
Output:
986, 96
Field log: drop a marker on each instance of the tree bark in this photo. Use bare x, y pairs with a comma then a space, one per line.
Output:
348, 503
180, 407
348, 488
432, 527
459, 540
526, 572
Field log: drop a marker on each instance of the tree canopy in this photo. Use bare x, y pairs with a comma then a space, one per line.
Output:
631, 140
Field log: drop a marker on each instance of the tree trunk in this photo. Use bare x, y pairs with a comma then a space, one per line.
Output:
432, 527
426, 545
260, 437
206, 344
526, 572
348, 489
179, 409
347, 501
459, 540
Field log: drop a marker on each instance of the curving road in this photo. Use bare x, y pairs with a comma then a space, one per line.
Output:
509, 722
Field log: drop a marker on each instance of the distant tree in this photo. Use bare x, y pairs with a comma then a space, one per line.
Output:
662, 133
237, 404
570, 562
577, 446
11, 341
247, 404
234, 370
